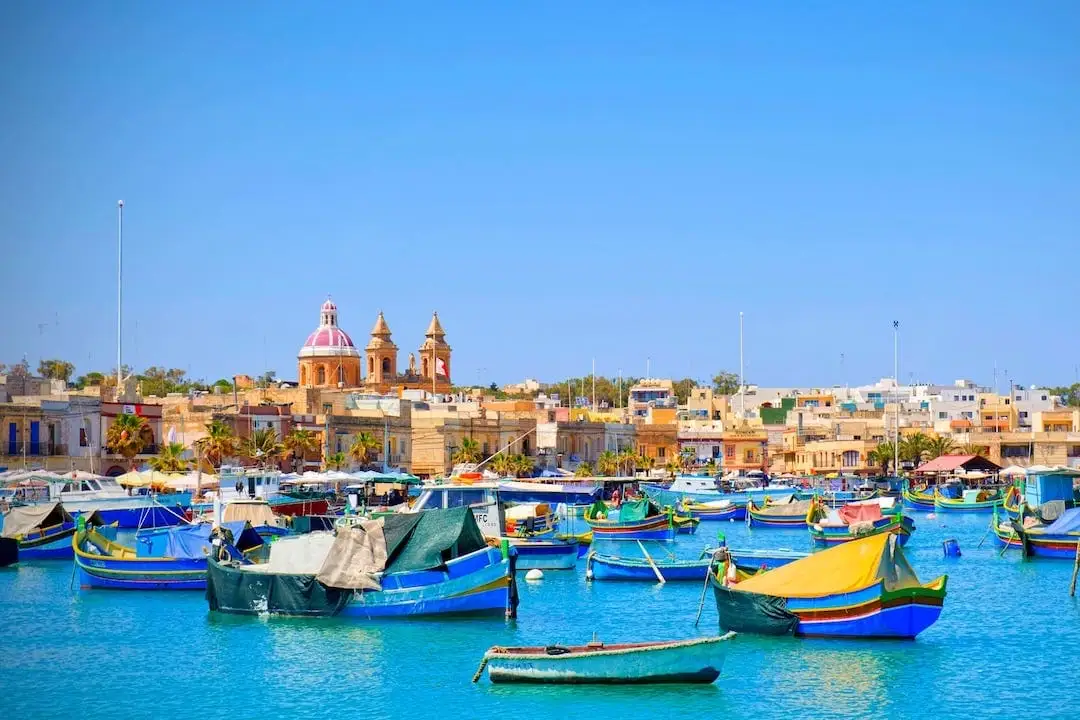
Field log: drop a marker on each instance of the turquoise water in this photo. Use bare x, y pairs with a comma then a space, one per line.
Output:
1002, 647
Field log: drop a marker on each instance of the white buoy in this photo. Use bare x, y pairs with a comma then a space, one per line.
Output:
931, 516
534, 575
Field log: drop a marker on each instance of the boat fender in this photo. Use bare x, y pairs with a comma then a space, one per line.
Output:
534, 575
557, 650
730, 575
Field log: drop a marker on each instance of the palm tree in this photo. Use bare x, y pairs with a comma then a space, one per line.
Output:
502, 465
523, 465
127, 436
644, 462
171, 458
336, 461
627, 460
882, 456
938, 446
674, 465
914, 448
262, 447
218, 443
607, 463
972, 449
584, 469
469, 452
299, 443
363, 447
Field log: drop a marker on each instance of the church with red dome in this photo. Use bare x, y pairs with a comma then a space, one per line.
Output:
329, 359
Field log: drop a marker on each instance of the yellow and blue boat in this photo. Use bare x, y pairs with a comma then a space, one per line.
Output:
920, 498
790, 514
634, 520
43, 531
969, 500
862, 589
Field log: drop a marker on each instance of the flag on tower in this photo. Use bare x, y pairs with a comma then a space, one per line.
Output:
440, 368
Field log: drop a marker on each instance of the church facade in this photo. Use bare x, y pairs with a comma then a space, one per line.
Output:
329, 358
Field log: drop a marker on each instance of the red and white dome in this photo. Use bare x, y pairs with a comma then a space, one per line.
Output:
328, 340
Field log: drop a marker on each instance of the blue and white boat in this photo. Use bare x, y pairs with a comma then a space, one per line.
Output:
42, 532
541, 554
694, 489
84, 494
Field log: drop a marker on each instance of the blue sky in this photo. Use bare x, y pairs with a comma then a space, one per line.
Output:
562, 181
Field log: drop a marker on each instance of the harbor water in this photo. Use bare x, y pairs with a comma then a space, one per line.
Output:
1001, 648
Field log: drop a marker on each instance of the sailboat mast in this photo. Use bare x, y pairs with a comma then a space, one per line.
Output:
119, 293
896, 396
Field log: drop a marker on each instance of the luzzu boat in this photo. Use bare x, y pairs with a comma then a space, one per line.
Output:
714, 510
858, 520
703, 490
42, 532
698, 660
633, 520
976, 500
545, 554
790, 514
401, 565
162, 559
1044, 492
862, 589
609, 565
918, 498
1059, 539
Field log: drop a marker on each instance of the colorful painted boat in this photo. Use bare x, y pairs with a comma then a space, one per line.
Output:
839, 498
635, 520
550, 554
716, 510
633, 565
752, 560
691, 490
677, 661
162, 559
1059, 539
825, 534
969, 501
685, 524
437, 562
861, 589
790, 514
42, 532
918, 498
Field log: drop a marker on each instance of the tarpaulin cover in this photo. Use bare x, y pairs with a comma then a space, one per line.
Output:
636, 510
356, 558
792, 508
193, 541
860, 513
21, 520
753, 613
231, 590
1067, 523
845, 568
435, 537
951, 492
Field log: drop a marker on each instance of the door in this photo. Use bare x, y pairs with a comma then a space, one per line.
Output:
13, 442
35, 440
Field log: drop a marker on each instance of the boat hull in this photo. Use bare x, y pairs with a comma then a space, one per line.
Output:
915, 500
902, 526
658, 527
48, 544
1058, 547
688, 661
942, 504
606, 567
545, 554
663, 496
708, 514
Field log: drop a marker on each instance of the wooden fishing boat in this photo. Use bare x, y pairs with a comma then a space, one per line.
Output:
545, 554
918, 498
715, 510
1058, 539
42, 532
403, 565
162, 559
970, 501
638, 567
752, 560
676, 661
685, 524
839, 498
857, 520
637, 520
861, 589
790, 514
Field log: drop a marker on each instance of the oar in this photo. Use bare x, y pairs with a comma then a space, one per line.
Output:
701, 602
659, 577
1076, 570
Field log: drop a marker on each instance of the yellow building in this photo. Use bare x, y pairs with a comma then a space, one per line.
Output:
745, 448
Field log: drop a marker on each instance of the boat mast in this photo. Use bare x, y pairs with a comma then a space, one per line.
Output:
896, 397
119, 293
742, 398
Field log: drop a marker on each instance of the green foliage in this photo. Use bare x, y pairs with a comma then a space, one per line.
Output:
683, 388
128, 435
938, 446
171, 459
56, 369
882, 456
1070, 395
725, 383
218, 443
914, 448
363, 447
469, 452
607, 389
263, 447
607, 463
584, 469
336, 461
298, 443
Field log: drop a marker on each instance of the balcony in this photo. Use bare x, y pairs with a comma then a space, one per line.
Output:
29, 448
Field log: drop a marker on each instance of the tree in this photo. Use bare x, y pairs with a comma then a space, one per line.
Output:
607, 463
1070, 395
218, 443
674, 465
127, 436
914, 448
469, 452
263, 447
725, 383
336, 461
171, 458
225, 385
56, 369
627, 461
882, 456
522, 466
502, 465
938, 446
298, 443
972, 449
584, 470
683, 388
267, 379
644, 462
363, 447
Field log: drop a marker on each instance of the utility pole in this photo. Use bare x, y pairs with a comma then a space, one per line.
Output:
119, 294
896, 395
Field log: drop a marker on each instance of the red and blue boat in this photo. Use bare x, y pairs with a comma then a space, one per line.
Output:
858, 520
1059, 539
861, 589
714, 510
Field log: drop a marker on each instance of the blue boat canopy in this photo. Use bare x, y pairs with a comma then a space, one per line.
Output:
1067, 523
193, 541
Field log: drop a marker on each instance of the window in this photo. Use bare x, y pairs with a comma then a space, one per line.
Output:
1043, 397
850, 458
729, 452
956, 398
660, 452
457, 498
1023, 413
716, 451
82, 438
320, 376
750, 455
341, 375
942, 415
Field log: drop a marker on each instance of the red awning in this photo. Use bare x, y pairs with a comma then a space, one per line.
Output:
860, 513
